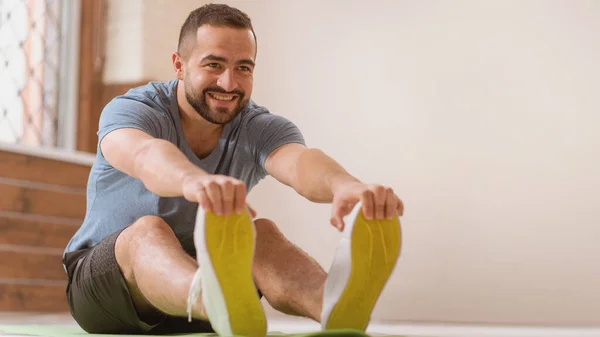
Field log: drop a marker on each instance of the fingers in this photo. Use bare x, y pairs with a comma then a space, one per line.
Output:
336, 221
339, 211
385, 203
240, 197
203, 199
379, 199
400, 207
391, 203
366, 198
221, 195
228, 196
213, 190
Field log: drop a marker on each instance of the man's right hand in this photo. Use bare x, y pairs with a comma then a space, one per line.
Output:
217, 193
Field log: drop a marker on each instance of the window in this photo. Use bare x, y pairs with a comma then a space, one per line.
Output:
38, 65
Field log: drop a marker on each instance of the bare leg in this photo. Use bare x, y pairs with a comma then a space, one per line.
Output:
157, 270
291, 281
150, 257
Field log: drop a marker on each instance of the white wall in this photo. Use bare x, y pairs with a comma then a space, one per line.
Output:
125, 41
483, 116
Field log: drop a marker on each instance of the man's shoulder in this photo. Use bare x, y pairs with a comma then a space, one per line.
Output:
258, 121
253, 109
259, 116
255, 114
153, 90
154, 96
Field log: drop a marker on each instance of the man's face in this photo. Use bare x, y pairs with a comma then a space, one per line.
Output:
218, 72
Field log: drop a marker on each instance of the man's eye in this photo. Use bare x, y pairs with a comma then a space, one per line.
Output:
245, 68
213, 65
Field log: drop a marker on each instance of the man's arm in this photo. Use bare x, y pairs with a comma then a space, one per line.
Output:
166, 172
310, 172
319, 178
156, 162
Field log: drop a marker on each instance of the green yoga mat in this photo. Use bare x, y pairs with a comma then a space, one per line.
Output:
62, 331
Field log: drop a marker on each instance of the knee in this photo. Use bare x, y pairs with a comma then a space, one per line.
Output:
149, 227
143, 231
266, 230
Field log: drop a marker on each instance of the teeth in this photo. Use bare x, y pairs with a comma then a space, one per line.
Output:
221, 97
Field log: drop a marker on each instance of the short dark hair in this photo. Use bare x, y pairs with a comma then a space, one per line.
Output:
214, 15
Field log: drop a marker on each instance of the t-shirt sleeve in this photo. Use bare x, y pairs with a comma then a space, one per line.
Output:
270, 132
126, 112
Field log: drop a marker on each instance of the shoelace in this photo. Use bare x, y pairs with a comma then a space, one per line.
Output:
194, 293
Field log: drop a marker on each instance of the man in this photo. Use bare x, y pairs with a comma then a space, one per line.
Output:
167, 232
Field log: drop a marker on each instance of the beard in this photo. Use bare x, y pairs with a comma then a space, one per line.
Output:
219, 115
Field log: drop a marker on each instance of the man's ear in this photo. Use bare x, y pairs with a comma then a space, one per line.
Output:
177, 65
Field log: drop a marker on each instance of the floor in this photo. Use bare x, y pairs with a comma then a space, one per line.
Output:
296, 325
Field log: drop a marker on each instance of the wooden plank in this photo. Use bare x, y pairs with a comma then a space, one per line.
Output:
33, 297
21, 264
38, 233
91, 67
31, 168
27, 199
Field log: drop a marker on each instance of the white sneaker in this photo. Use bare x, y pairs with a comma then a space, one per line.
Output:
225, 251
363, 262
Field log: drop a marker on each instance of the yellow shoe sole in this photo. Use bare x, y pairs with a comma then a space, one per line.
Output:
229, 242
374, 250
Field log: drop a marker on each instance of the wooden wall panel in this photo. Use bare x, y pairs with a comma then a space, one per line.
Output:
52, 233
47, 202
42, 297
20, 263
42, 204
91, 67
20, 166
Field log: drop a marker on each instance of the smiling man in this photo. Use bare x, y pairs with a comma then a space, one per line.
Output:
169, 244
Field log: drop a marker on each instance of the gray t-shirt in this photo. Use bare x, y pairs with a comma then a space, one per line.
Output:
116, 200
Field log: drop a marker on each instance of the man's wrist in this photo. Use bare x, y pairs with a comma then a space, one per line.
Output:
338, 181
190, 173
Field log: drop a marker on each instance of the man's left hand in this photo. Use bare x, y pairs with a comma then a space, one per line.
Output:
378, 202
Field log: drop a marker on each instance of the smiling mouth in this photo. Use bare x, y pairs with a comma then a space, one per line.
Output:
220, 97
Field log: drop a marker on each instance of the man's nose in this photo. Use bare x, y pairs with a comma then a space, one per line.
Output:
227, 81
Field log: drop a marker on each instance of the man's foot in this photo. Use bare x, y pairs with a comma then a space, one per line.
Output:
364, 260
225, 250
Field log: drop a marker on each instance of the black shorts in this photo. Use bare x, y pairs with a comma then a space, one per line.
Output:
100, 301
